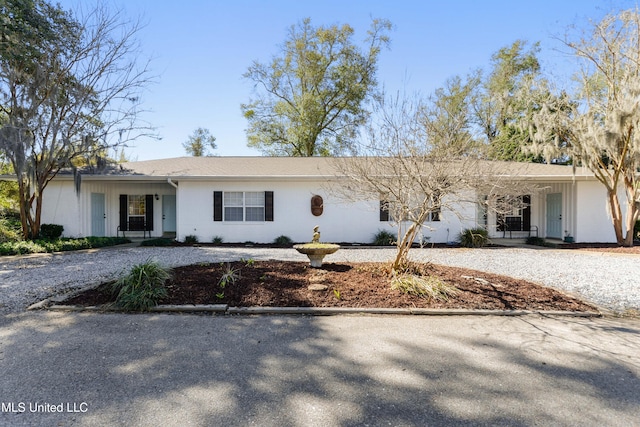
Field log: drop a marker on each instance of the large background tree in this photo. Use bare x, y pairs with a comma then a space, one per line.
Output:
310, 99
489, 105
598, 126
501, 101
200, 142
69, 90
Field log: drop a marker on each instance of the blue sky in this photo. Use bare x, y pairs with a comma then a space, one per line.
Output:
200, 49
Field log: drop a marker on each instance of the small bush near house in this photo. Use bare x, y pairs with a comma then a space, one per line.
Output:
51, 231
282, 241
191, 239
474, 237
157, 242
142, 287
539, 241
60, 245
636, 230
383, 238
217, 240
21, 247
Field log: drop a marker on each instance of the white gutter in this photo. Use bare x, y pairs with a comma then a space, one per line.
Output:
172, 183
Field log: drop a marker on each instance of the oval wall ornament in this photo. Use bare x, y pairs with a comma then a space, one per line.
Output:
317, 205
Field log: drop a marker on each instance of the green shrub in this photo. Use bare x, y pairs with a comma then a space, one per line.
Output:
539, 241
636, 230
100, 242
474, 237
21, 247
142, 287
162, 241
191, 238
60, 245
217, 240
282, 241
383, 238
51, 231
10, 230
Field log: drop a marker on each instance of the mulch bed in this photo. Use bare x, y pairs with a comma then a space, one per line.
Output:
286, 284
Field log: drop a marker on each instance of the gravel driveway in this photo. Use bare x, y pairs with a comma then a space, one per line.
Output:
609, 280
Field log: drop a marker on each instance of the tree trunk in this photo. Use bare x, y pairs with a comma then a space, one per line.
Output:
630, 222
402, 257
29, 222
24, 209
616, 215
23, 217
35, 224
623, 227
404, 246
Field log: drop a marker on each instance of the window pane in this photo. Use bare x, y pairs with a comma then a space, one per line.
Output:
254, 198
255, 214
136, 205
233, 198
232, 214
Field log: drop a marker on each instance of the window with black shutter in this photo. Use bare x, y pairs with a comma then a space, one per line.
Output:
243, 206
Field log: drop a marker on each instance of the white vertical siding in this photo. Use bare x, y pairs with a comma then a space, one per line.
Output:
593, 217
339, 222
584, 212
62, 205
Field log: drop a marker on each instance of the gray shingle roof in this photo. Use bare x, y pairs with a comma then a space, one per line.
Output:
300, 167
285, 168
233, 167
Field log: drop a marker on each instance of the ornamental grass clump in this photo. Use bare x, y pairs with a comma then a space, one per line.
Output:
429, 287
414, 280
142, 288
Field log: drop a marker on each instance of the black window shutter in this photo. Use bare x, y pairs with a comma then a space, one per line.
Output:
217, 205
526, 213
123, 212
384, 211
148, 212
268, 205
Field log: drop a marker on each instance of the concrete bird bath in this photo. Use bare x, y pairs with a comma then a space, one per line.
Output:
315, 250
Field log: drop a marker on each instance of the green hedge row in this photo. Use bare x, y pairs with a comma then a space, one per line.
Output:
58, 245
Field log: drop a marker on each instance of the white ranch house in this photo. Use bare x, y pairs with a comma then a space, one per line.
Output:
257, 199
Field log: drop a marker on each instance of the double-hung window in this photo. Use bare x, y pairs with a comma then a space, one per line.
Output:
243, 206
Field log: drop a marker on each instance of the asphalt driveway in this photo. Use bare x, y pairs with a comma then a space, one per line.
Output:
149, 370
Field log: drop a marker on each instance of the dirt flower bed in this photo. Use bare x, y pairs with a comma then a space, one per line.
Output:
287, 284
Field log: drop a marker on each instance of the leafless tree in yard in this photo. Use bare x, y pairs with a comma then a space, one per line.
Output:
420, 161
